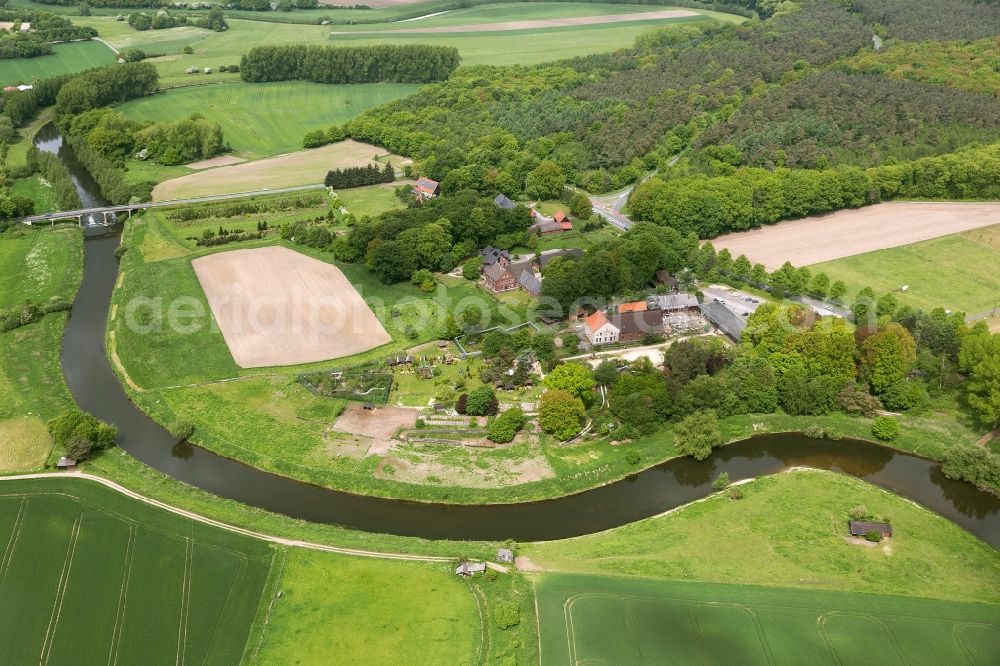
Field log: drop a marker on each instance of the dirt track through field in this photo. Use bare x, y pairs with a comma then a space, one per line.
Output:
813, 240
278, 307
303, 167
540, 23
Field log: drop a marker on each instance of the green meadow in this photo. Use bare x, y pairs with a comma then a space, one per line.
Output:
335, 608
263, 119
588, 619
958, 272
93, 577
66, 59
788, 531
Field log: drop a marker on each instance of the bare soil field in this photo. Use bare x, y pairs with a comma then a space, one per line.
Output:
541, 23
221, 160
304, 167
278, 307
379, 423
845, 233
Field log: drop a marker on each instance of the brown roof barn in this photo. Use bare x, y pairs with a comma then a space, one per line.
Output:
636, 325
427, 188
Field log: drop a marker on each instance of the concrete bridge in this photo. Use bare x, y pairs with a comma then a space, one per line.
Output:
107, 215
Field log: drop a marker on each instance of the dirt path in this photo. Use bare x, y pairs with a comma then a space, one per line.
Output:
231, 528
540, 23
820, 238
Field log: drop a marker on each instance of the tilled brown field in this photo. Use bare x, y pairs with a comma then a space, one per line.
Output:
813, 240
278, 307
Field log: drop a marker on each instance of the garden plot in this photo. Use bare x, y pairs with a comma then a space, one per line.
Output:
275, 306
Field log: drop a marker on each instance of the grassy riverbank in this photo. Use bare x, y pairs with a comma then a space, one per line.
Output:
789, 530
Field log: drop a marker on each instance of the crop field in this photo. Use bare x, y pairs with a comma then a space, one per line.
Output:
586, 619
276, 306
91, 577
958, 272
305, 167
264, 119
849, 232
65, 59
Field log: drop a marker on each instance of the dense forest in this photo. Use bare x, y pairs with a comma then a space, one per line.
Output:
407, 63
703, 103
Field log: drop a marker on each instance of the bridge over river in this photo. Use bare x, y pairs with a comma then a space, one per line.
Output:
107, 214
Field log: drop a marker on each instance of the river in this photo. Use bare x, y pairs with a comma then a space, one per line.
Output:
96, 389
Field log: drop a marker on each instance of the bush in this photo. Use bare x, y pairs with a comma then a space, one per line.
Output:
873, 535
735, 493
697, 434
721, 481
859, 512
481, 401
976, 465
182, 430
885, 428
507, 614
81, 432
906, 395
506, 426
121, 250
632, 457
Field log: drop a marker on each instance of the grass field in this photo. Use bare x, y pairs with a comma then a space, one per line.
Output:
789, 531
66, 59
305, 167
958, 272
338, 609
39, 191
586, 619
264, 119
38, 264
92, 577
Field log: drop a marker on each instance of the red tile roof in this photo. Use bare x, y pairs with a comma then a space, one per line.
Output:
596, 321
637, 306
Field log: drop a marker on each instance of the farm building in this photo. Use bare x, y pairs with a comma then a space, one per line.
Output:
562, 220
599, 329
544, 258
673, 302
427, 188
724, 319
636, 306
530, 282
65, 463
663, 277
498, 278
470, 568
492, 255
503, 202
634, 326
860, 528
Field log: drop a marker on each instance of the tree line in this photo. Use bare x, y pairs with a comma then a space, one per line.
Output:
46, 27
405, 63
105, 85
752, 197
162, 20
51, 168
359, 176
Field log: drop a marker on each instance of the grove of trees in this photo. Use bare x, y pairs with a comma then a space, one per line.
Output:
403, 63
369, 174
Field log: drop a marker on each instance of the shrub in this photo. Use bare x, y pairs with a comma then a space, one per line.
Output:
632, 457
885, 428
506, 426
873, 535
697, 434
973, 464
507, 614
187, 50
859, 512
481, 401
721, 481
121, 250
182, 430
81, 432
735, 493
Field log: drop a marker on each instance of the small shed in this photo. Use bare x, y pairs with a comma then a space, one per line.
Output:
860, 528
505, 555
66, 463
368, 405
467, 569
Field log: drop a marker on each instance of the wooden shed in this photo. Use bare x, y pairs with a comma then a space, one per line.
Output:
860, 528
